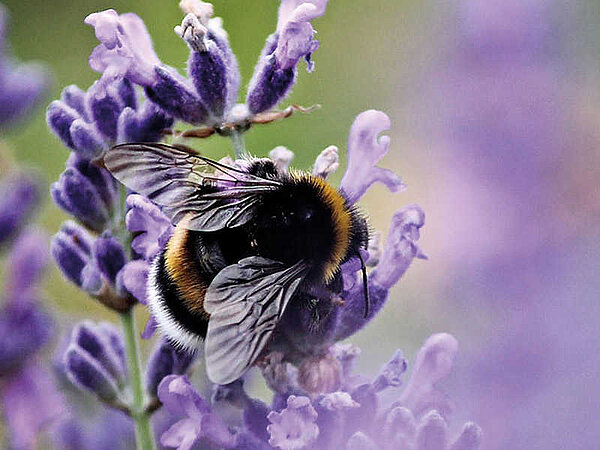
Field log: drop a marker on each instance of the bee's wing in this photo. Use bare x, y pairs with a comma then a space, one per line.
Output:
246, 301
211, 194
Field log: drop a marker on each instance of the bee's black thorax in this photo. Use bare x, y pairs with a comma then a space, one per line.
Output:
307, 219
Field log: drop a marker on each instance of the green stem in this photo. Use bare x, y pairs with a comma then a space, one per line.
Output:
239, 145
143, 428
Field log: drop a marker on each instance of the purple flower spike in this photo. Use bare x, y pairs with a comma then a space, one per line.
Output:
150, 226
365, 150
109, 256
19, 195
198, 423
166, 360
213, 71
89, 374
294, 427
400, 246
125, 46
434, 362
27, 262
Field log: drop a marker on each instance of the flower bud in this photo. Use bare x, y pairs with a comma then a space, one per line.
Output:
87, 373
71, 248
109, 256
75, 194
98, 345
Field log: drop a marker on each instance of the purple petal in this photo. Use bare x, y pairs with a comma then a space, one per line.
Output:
181, 398
150, 328
149, 224
434, 362
296, 36
287, 7
182, 434
294, 427
125, 46
365, 150
269, 85
135, 278
400, 246
391, 373
30, 402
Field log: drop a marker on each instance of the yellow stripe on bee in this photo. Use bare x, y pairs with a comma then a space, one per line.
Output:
182, 270
341, 220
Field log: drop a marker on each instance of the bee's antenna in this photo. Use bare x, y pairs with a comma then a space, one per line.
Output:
365, 284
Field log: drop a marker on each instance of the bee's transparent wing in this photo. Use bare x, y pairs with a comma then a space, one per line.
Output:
210, 194
246, 301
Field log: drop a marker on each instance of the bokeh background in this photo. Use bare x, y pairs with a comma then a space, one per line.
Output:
495, 110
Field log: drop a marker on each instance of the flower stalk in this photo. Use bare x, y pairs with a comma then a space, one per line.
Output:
141, 417
239, 143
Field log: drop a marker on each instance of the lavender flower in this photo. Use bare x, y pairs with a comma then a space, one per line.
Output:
21, 85
28, 398
198, 423
346, 419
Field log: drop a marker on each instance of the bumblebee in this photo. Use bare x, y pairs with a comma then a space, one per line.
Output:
247, 242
